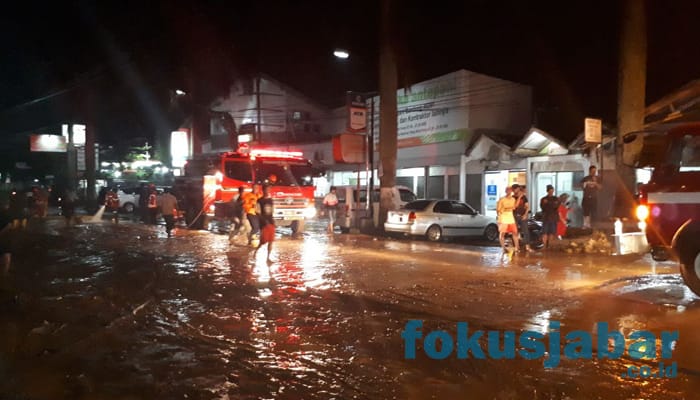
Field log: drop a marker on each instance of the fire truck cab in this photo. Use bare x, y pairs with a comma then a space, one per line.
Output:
211, 182
669, 204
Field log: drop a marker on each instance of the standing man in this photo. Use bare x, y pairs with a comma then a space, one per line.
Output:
112, 204
68, 206
506, 219
330, 203
250, 202
144, 193
5, 232
267, 221
236, 213
550, 216
591, 185
168, 207
152, 205
522, 213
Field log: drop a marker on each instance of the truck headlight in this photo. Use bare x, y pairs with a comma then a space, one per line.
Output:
642, 212
310, 212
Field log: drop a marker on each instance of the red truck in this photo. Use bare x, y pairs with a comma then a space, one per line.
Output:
669, 204
211, 181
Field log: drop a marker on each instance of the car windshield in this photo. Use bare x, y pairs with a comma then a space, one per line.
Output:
690, 153
406, 195
418, 205
284, 173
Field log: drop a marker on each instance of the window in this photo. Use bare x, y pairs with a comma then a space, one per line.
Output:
690, 156
285, 173
406, 195
463, 209
443, 207
418, 205
239, 170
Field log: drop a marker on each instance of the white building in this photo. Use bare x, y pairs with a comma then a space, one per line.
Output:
261, 110
438, 120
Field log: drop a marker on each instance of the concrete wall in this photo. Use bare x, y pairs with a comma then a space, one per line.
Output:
494, 103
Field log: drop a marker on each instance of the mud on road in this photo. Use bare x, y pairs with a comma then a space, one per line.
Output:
122, 312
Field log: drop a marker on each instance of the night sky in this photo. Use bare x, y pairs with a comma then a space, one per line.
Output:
118, 61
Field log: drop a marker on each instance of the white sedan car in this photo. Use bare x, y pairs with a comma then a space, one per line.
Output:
437, 219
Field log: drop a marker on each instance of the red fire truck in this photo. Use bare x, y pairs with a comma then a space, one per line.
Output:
211, 181
669, 204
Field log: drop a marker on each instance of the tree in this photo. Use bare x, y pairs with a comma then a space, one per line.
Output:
631, 91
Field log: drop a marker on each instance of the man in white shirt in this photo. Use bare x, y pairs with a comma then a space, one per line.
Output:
330, 203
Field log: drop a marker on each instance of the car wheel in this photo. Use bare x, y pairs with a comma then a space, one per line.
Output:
297, 227
129, 208
690, 270
434, 233
491, 232
659, 254
344, 230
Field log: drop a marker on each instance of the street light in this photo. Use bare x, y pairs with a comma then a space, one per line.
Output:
179, 92
342, 54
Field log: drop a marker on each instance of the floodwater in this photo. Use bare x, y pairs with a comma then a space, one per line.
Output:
103, 311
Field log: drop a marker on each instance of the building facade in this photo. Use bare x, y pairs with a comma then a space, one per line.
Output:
438, 120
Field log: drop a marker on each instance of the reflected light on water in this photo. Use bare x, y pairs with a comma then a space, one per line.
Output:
261, 271
539, 322
314, 259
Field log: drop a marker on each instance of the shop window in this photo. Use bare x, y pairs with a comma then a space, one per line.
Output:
436, 187
453, 187
474, 184
405, 181
420, 186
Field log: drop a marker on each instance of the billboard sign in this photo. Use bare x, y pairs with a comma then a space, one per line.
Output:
349, 148
357, 108
179, 148
47, 143
593, 132
433, 111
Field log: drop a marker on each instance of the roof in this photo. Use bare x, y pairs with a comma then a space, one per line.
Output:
504, 140
675, 104
537, 142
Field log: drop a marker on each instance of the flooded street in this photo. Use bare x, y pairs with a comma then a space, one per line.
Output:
103, 311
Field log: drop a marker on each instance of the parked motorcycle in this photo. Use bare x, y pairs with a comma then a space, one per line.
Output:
535, 228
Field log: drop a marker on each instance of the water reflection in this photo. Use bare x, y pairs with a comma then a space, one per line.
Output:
195, 317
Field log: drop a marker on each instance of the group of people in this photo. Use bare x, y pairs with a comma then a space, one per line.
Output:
151, 204
252, 213
22, 206
513, 212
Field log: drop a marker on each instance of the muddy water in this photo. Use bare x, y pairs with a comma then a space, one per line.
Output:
121, 312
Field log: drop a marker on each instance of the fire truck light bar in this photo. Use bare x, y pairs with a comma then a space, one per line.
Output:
275, 153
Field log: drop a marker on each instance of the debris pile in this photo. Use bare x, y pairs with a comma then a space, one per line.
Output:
598, 243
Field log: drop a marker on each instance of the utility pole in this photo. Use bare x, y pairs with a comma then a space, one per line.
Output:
388, 114
90, 194
88, 109
631, 91
258, 110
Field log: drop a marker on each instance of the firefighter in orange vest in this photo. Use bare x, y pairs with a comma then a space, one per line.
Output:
250, 202
112, 204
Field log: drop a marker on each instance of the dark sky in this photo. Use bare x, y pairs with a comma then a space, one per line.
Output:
117, 61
